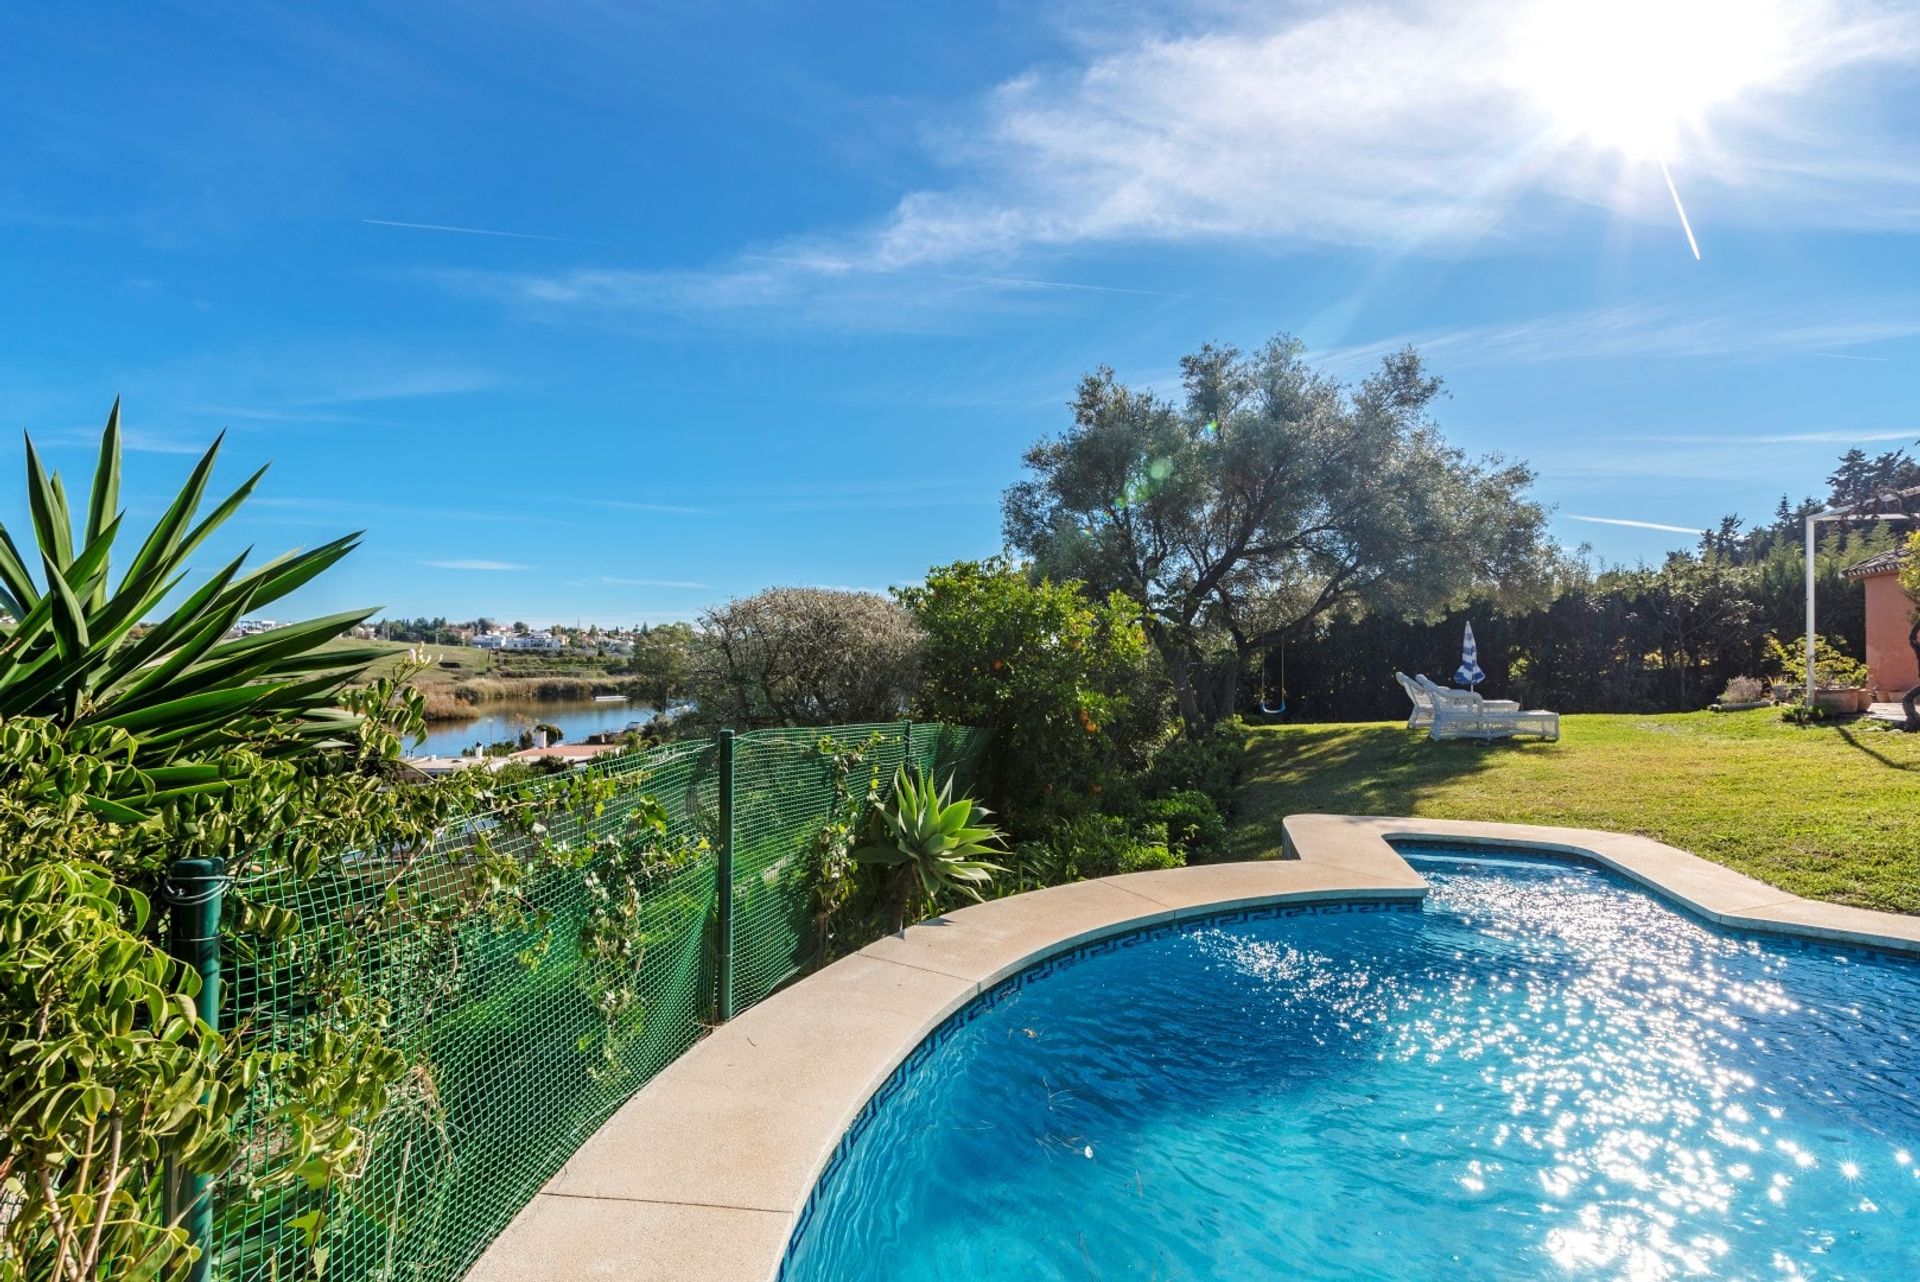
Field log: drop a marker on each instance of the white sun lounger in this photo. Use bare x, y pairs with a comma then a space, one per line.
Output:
1422, 715
1462, 714
1422, 693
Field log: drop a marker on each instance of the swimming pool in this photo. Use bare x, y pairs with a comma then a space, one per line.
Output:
1542, 1073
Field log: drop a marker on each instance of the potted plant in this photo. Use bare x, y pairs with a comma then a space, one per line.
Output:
1839, 679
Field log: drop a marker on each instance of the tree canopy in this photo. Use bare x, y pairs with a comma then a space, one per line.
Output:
805, 656
1061, 680
1266, 496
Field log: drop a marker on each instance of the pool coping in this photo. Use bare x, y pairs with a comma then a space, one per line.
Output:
1708, 890
703, 1174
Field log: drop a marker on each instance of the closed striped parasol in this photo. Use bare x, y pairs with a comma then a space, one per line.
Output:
1468, 674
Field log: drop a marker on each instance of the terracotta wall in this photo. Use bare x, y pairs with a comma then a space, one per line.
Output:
1889, 617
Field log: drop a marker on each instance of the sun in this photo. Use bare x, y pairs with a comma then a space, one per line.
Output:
1639, 77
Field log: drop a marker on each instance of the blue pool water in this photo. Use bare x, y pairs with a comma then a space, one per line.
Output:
1541, 1074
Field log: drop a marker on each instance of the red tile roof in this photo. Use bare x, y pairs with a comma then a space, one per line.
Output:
1887, 562
567, 751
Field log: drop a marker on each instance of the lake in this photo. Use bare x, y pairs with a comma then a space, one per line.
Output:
505, 719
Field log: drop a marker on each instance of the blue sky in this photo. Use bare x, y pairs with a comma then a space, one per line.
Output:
760, 293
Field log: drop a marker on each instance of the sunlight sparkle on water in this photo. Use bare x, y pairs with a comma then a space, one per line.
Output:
1557, 1076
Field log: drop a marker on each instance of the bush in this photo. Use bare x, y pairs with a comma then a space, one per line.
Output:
805, 656
132, 735
1192, 823
1744, 690
1210, 764
1096, 846
1063, 680
1833, 667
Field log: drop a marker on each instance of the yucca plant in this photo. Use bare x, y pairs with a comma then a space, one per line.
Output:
86, 651
932, 842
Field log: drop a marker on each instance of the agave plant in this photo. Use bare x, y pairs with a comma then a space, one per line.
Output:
932, 842
87, 652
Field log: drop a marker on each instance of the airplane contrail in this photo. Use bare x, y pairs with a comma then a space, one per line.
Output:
1682, 209
1637, 525
466, 231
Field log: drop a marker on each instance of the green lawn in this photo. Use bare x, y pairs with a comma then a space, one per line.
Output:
451, 662
1830, 812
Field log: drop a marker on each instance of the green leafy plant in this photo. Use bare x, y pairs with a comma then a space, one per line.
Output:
134, 731
623, 917
82, 1130
1209, 763
1062, 678
108, 1077
84, 650
856, 783
1192, 824
932, 842
1096, 845
1833, 668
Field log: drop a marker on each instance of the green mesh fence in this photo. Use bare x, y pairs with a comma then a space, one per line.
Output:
515, 1066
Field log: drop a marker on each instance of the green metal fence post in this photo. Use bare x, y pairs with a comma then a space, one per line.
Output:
906, 745
195, 888
723, 888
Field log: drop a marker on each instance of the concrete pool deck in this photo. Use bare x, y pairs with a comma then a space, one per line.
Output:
703, 1174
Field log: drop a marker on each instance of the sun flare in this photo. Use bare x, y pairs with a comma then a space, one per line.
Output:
1640, 76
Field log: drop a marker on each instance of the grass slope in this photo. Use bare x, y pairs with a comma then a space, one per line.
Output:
1829, 812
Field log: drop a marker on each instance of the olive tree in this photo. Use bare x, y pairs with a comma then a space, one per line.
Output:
805, 656
1264, 497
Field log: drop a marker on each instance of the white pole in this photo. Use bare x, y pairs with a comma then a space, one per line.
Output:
1810, 520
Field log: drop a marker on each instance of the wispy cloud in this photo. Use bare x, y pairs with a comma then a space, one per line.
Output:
635, 505
348, 508
1732, 327
1637, 525
843, 266
1836, 437
882, 494
132, 440
341, 382
1397, 127
467, 231
261, 414
653, 583
465, 564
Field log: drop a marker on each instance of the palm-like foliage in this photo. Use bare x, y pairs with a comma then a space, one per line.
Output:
78, 654
932, 840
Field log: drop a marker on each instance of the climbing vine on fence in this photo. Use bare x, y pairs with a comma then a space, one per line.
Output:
620, 925
855, 780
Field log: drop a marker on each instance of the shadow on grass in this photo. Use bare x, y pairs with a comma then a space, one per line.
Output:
1853, 741
1382, 769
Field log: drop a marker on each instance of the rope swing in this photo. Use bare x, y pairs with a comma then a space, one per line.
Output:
1269, 709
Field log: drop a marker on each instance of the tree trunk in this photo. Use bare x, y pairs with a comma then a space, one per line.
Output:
1180, 672
1222, 689
1204, 689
